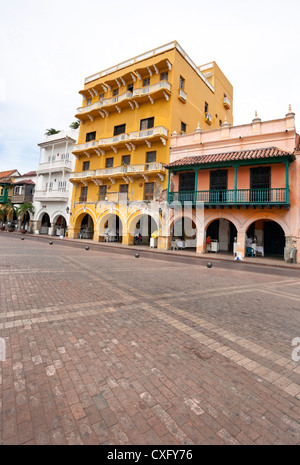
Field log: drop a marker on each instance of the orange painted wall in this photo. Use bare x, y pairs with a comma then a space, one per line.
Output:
278, 175
243, 177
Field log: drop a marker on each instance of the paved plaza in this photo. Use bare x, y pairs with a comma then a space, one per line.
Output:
106, 348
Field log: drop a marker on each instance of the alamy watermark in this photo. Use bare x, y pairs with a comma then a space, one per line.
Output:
296, 351
2, 349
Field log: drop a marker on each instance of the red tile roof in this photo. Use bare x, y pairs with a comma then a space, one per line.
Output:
270, 152
25, 181
5, 181
30, 173
5, 174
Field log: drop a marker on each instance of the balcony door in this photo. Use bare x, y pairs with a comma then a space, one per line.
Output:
218, 186
260, 184
186, 186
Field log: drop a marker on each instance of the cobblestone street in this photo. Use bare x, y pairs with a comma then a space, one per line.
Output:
106, 348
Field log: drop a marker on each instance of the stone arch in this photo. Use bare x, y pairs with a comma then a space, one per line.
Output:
39, 215
109, 212
114, 219
189, 215
266, 216
56, 214
83, 211
140, 215
225, 216
83, 226
136, 215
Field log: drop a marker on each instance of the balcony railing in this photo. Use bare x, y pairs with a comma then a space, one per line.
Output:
116, 99
86, 145
153, 88
152, 133
131, 169
115, 197
159, 131
21, 198
51, 195
88, 108
181, 95
58, 165
273, 196
226, 102
4, 198
114, 139
109, 171
83, 174
148, 167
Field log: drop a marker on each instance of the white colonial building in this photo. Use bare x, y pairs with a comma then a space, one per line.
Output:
53, 190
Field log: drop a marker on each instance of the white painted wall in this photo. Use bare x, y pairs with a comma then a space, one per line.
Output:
56, 150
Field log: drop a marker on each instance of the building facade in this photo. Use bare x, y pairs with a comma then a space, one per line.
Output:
53, 192
128, 115
6, 185
237, 182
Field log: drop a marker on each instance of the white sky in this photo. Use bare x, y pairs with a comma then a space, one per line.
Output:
49, 47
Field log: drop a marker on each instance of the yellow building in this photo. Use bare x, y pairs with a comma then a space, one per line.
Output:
128, 115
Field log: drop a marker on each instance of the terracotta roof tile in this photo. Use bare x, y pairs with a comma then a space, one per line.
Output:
30, 173
5, 174
269, 152
24, 181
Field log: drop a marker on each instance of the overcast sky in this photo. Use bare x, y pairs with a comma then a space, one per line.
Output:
49, 47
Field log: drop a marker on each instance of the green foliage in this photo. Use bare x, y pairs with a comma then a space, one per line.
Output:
75, 125
50, 132
24, 208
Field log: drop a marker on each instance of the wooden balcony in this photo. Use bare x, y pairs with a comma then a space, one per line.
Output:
233, 198
22, 198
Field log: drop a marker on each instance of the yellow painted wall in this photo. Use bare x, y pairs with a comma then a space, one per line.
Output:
166, 113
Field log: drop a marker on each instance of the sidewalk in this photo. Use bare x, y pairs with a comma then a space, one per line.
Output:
180, 254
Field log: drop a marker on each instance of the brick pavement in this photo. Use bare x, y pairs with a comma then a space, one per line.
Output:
109, 349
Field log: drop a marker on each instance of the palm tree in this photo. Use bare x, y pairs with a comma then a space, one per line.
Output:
22, 211
3, 213
75, 125
50, 132
10, 210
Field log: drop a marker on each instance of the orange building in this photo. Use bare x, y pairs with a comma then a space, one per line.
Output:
238, 187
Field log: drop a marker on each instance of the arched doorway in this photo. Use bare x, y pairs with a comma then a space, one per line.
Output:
268, 237
45, 224
222, 233
111, 228
60, 226
86, 227
141, 228
184, 233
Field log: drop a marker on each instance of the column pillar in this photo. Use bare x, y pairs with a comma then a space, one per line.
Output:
52, 228
287, 181
196, 186
169, 179
127, 239
235, 183
241, 244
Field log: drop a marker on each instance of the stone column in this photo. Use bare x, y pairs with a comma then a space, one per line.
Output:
35, 226
51, 229
164, 242
291, 242
224, 230
241, 244
201, 237
127, 239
